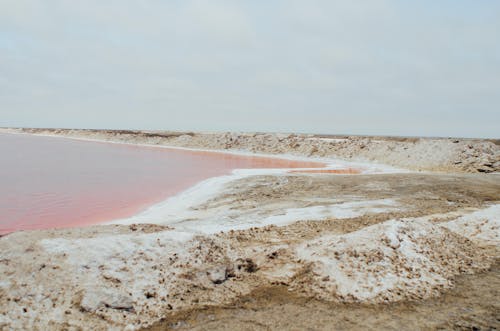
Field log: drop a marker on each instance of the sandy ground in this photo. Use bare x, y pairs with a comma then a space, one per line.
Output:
284, 251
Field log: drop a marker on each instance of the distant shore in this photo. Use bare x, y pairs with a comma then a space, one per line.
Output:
465, 155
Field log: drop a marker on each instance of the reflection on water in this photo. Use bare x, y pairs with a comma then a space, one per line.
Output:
50, 182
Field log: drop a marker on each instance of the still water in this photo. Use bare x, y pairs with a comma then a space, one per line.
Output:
49, 182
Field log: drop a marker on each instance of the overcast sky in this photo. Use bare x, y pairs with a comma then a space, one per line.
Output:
361, 67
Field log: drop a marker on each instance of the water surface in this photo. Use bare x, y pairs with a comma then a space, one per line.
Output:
48, 182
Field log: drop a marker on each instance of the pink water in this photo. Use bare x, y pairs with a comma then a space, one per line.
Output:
48, 182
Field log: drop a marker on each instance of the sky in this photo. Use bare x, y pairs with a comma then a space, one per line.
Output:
380, 67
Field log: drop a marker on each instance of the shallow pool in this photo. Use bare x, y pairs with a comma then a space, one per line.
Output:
48, 182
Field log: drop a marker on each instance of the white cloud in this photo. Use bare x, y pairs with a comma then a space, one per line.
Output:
385, 67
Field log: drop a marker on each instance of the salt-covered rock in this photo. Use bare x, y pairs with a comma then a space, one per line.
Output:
217, 275
102, 298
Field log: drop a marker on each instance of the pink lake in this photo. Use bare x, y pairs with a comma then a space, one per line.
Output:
49, 182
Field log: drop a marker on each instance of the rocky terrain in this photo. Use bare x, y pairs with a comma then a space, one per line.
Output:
278, 251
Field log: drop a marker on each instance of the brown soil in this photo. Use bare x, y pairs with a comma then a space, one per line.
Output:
472, 305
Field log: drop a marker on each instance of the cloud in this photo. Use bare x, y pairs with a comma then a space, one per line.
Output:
381, 67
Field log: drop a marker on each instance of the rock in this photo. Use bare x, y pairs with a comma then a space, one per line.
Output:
217, 275
247, 265
95, 299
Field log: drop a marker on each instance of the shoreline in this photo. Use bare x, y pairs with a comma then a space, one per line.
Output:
373, 240
199, 190
330, 163
467, 155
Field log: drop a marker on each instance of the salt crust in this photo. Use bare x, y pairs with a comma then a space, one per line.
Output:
181, 210
482, 226
398, 259
133, 280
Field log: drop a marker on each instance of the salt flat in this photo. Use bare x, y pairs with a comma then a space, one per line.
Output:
370, 242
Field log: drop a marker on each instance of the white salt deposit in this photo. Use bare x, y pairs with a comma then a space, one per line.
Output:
339, 211
231, 220
182, 210
178, 212
144, 268
110, 256
482, 225
386, 262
